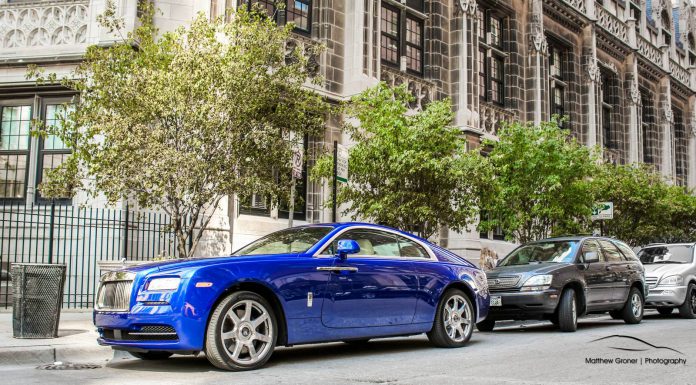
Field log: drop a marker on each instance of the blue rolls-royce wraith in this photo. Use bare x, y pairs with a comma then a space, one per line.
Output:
334, 282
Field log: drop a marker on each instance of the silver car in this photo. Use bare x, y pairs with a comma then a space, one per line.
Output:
670, 273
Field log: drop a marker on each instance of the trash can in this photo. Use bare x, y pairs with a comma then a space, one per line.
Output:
38, 296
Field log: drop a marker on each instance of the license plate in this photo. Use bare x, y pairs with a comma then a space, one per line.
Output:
496, 300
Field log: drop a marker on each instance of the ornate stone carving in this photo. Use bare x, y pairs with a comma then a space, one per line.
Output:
634, 93
422, 91
667, 112
538, 42
491, 116
469, 7
649, 51
578, 4
592, 71
307, 48
680, 73
40, 24
611, 23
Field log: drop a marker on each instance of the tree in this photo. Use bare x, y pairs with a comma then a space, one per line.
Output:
542, 182
409, 170
646, 208
182, 120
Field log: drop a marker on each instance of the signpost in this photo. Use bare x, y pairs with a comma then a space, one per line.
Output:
297, 166
340, 172
601, 212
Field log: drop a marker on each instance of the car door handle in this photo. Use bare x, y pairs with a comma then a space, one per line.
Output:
337, 268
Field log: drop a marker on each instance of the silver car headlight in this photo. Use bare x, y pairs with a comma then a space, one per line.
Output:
672, 280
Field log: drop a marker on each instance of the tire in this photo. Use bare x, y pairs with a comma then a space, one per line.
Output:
242, 317
665, 310
151, 355
633, 309
616, 314
486, 325
688, 309
363, 341
454, 320
568, 312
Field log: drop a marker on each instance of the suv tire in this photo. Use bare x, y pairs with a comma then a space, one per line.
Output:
486, 325
634, 306
665, 310
568, 311
688, 309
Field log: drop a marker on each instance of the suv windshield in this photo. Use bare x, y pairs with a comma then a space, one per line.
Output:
549, 251
297, 240
667, 254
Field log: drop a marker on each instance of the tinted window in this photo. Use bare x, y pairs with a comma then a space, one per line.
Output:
667, 254
627, 252
371, 242
551, 251
411, 249
296, 240
592, 246
611, 253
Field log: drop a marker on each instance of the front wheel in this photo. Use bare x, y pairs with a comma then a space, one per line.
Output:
242, 332
454, 320
568, 312
151, 355
688, 309
633, 309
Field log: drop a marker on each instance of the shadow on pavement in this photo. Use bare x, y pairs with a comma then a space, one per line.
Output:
70, 332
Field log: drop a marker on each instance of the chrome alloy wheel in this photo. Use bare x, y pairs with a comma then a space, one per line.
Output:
574, 310
247, 332
636, 305
457, 318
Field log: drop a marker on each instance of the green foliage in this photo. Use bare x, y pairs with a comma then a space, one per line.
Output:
407, 170
646, 208
181, 120
542, 182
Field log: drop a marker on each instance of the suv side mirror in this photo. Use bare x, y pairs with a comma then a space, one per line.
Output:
590, 257
345, 247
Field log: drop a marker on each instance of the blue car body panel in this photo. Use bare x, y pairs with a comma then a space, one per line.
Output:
385, 297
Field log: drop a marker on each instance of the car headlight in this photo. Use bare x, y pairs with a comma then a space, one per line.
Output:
537, 283
164, 284
672, 280
481, 281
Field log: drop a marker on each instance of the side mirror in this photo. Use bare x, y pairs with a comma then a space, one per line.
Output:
345, 247
590, 257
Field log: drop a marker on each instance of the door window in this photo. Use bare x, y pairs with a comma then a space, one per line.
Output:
411, 249
371, 242
611, 252
591, 246
627, 252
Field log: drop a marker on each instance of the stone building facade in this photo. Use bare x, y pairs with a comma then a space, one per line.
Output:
623, 72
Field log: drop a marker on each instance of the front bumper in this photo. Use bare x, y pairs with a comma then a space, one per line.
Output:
124, 331
524, 305
667, 296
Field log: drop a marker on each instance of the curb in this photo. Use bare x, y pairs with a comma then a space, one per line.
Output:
37, 355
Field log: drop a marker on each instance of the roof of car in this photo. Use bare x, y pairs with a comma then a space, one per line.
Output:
576, 238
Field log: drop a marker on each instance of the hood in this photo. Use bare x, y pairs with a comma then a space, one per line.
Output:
537, 268
184, 263
663, 269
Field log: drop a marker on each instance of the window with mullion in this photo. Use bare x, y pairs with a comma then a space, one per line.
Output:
52, 151
15, 125
268, 6
497, 94
414, 44
298, 12
483, 77
556, 73
390, 35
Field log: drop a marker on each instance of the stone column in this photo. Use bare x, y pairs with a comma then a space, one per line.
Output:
692, 144
592, 79
633, 111
538, 49
467, 8
666, 123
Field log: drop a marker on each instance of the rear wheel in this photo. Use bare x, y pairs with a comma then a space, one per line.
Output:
688, 309
633, 309
241, 333
568, 312
151, 355
486, 325
665, 310
454, 320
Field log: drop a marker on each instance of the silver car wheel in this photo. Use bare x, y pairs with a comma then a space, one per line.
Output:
574, 310
636, 305
457, 318
247, 332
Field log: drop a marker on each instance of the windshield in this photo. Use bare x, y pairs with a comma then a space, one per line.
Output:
667, 254
551, 251
296, 240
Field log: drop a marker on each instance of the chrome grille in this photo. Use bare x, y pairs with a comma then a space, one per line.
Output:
651, 281
114, 295
502, 282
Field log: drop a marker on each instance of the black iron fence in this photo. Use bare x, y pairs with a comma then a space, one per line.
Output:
79, 237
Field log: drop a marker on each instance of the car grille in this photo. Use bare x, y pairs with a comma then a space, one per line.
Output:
502, 282
651, 281
146, 333
114, 295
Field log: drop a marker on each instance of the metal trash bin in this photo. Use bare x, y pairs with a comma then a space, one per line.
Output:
38, 296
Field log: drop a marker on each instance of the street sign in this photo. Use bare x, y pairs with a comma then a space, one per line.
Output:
297, 163
342, 163
603, 210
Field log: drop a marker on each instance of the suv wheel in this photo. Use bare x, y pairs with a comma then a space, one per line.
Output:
241, 333
633, 309
688, 309
568, 311
665, 310
454, 321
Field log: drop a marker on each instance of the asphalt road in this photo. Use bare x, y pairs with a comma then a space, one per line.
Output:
518, 354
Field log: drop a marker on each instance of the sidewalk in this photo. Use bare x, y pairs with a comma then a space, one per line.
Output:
76, 342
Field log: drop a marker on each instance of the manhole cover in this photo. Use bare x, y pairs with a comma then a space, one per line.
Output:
67, 366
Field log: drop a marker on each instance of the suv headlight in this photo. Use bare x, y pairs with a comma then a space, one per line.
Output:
164, 284
537, 283
672, 280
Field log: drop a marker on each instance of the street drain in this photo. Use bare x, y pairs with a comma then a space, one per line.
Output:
67, 366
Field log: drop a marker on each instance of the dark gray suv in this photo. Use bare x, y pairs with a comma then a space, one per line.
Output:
560, 279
